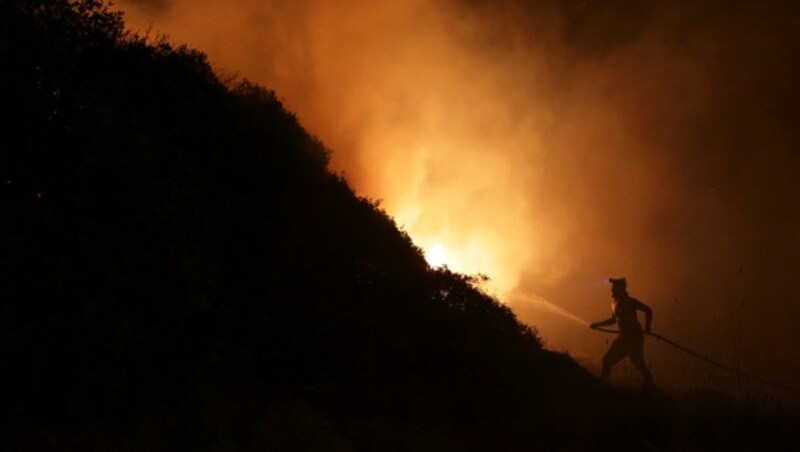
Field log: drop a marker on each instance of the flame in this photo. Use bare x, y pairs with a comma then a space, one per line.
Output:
437, 257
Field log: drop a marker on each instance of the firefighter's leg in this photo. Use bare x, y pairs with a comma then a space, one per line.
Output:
614, 354
636, 355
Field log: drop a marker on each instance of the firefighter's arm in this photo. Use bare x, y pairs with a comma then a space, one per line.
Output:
648, 316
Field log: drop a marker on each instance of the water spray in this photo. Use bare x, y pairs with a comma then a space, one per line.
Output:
551, 307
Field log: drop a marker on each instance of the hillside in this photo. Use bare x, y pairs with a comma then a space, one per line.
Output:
182, 271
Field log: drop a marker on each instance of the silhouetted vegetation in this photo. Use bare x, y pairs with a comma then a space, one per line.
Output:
181, 271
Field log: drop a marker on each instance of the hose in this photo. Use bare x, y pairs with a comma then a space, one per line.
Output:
710, 361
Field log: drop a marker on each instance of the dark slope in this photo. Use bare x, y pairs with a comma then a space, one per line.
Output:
181, 271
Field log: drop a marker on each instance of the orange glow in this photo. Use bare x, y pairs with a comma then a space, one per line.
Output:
471, 136
471, 143
414, 116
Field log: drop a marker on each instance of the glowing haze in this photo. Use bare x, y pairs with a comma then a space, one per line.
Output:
550, 145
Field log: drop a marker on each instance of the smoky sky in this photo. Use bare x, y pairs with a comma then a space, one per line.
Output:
553, 144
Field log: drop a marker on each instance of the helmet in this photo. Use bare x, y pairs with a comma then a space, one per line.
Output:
618, 282
619, 286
